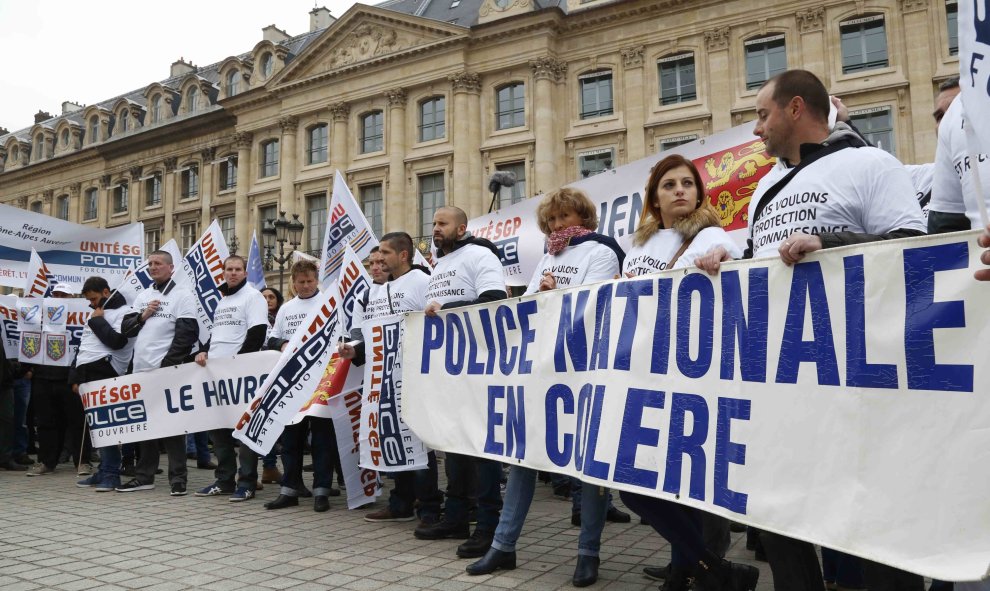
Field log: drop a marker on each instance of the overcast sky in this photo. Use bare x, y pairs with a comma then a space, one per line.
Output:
87, 51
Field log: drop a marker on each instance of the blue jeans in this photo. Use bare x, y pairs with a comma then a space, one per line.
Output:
324, 449
22, 397
199, 444
110, 458
417, 485
271, 460
518, 498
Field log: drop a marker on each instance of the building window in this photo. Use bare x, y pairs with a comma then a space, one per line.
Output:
94, 129
15, 155
119, 199
432, 119
188, 235
232, 79
39, 147
122, 122
877, 126
765, 58
677, 80
267, 63
156, 108
65, 138
672, 142
227, 229
371, 204
192, 99
228, 173
190, 181
153, 190
316, 221
316, 142
595, 162
517, 192
62, 207
268, 166
431, 198
511, 105
864, 44
596, 94
266, 212
152, 240
36, 207
952, 20
90, 200
372, 132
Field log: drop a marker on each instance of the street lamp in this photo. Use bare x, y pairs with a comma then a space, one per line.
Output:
281, 231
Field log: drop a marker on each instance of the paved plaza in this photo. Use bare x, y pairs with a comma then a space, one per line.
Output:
58, 536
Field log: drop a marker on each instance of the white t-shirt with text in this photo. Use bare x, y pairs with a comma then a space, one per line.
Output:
587, 262
954, 188
465, 274
236, 313
653, 256
155, 338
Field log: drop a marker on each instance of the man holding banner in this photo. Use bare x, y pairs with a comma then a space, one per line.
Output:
240, 324
872, 200
166, 325
468, 272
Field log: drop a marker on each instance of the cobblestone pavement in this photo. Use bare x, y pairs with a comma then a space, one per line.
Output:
57, 536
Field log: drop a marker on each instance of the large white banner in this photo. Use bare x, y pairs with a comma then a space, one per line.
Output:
839, 401
730, 162
202, 271
173, 400
387, 443
50, 329
72, 252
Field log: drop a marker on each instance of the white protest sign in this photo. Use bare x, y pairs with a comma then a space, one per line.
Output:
72, 252
838, 401
173, 400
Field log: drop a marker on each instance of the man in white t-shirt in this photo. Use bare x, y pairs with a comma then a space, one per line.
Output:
163, 319
803, 205
415, 492
240, 324
468, 271
290, 318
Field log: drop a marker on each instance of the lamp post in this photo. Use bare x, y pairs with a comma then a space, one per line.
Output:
281, 231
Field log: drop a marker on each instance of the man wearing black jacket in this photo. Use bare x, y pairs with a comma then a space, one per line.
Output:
103, 353
468, 271
165, 324
7, 415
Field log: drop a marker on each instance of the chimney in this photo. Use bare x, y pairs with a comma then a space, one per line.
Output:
71, 107
319, 18
274, 34
181, 68
4, 131
42, 116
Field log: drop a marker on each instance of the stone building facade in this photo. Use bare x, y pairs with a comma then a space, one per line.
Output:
418, 101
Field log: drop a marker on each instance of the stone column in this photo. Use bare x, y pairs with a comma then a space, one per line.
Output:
135, 193
399, 211
103, 202
48, 202
916, 136
720, 92
339, 158
74, 190
547, 71
287, 165
170, 188
478, 187
242, 209
466, 86
635, 99
811, 25
206, 187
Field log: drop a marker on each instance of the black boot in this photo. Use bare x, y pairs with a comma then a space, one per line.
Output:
491, 562
677, 579
282, 501
475, 546
714, 574
321, 504
586, 571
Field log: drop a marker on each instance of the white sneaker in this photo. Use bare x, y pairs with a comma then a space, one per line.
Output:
85, 469
40, 470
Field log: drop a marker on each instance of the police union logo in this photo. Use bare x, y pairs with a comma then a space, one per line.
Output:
115, 407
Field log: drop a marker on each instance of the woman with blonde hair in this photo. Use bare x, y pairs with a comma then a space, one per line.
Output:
677, 225
576, 255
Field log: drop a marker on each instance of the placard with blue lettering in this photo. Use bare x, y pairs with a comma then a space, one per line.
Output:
838, 401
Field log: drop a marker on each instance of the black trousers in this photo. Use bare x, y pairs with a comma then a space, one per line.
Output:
60, 418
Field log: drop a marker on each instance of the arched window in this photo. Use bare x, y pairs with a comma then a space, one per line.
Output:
232, 78
267, 63
316, 149
94, 129
268, 165
432, 118
156, 108
39, 147
122, 122
65, 138
192, 97
372, 136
